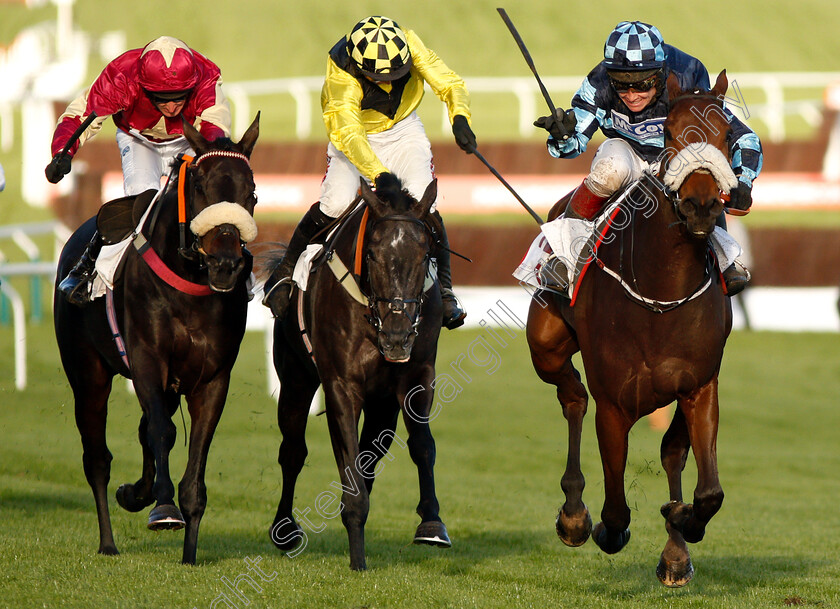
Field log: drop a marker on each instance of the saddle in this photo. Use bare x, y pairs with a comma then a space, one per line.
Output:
317, 255
117, 219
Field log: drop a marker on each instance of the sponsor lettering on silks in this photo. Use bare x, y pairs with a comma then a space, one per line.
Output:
649, 132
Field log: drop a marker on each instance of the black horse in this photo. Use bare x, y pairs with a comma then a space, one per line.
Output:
375, 354
181, 313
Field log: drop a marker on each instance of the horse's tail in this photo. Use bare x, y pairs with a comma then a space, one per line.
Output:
267, 255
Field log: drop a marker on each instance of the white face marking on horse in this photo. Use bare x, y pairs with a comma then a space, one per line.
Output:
398, 236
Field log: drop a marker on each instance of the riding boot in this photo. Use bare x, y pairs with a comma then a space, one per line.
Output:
583, 205
278, 287
453, 314
735, 276
78, 285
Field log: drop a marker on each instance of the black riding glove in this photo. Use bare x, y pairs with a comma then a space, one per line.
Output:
561, 125
740, 197
464, 136
58, 168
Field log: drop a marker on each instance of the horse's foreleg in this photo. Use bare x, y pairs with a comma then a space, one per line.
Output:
378, 433
701, 413
205, 407
552, 345
416, 405
296, 392
135, 497
573, 524
612, 533
91, 415
674, 452
343, 402
675, 569
160, 435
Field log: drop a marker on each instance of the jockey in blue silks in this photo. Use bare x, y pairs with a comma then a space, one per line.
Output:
625, 97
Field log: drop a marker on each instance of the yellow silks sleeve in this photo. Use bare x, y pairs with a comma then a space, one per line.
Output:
348, 125
341, 100
445, 83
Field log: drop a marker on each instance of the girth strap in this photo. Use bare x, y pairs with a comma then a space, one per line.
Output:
111, 315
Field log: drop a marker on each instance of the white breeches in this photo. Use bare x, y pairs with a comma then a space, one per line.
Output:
404, 149
614, 166
145, 162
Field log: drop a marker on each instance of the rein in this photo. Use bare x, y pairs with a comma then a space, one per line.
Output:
631, 291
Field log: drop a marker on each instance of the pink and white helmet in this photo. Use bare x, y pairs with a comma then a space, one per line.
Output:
167, 65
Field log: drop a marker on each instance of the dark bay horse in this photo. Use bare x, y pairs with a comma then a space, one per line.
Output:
658, 338
182, 321
375, 354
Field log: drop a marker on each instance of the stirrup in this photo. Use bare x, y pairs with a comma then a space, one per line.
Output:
456, 314
280, 282
281, 308
553, 274
77, 288
736, 277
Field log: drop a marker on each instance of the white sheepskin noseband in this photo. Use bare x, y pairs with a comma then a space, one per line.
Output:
703, 157
225, 213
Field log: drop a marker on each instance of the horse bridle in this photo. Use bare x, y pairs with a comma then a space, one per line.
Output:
632, 291
186, 169
397, 306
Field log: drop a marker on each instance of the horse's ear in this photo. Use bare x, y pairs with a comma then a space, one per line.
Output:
246, 144
423, 206
369, 196
721, 85
196, 140
673, 86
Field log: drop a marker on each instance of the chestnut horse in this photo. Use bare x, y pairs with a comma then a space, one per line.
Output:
181, 313
652, 332
375, 354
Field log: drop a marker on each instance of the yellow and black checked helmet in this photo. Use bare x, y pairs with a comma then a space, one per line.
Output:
378, 47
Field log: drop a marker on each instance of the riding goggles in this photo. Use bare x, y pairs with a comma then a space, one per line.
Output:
642, 86
164, 97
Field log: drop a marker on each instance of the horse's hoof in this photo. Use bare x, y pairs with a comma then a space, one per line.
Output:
433, 533
674, 575
128, 501
286, 534
573, 531
166, 517
109, 551
610, 542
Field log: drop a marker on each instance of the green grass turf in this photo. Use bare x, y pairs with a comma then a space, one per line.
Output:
501, 450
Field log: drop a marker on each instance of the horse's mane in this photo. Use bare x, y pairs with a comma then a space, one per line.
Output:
390, 189
697, 94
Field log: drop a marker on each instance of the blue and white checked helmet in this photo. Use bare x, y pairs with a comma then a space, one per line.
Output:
634, 46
